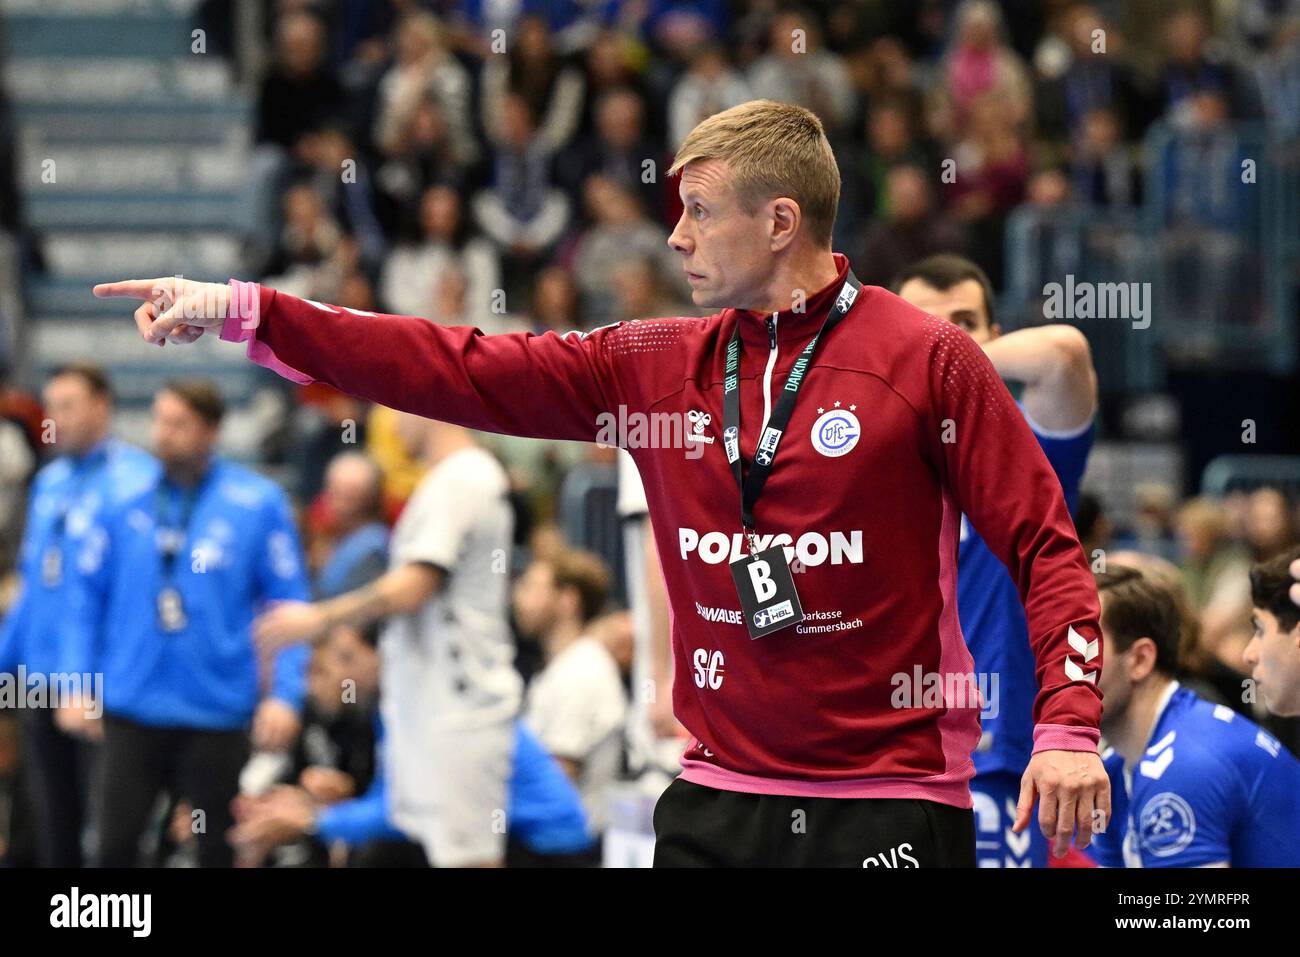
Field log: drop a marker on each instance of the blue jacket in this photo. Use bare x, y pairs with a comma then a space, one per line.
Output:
240, 549
66, 499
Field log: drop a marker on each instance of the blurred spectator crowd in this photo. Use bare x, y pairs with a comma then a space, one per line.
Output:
425, 158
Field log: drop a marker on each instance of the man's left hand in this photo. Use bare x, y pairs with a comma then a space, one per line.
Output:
1073, 794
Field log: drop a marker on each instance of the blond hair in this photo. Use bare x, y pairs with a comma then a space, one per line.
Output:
771, 149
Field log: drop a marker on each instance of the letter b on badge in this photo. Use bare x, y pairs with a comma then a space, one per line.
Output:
760, 574
768, 600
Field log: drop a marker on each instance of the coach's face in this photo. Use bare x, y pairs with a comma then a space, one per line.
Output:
726, 252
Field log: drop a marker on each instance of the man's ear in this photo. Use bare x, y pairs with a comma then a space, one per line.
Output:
1144, 659
572, 600
786, 217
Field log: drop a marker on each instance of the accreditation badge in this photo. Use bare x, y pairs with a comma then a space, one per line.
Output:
765, 585
171, 610
52, 566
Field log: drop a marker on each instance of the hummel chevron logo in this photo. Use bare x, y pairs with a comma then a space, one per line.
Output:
1163, 743
1156, 766
1089, 650
1161, 753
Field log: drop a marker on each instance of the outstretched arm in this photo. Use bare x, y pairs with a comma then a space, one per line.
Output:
547, 386
400, 591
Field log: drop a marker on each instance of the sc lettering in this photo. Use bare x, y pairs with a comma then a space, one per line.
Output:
708, 669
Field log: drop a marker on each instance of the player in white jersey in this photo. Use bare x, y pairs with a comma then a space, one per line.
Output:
450, 690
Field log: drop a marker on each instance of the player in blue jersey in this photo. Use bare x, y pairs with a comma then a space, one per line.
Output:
1193, 784
1059, 402
1273, 653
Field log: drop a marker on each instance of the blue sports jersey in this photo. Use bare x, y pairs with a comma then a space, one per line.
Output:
994, 795
65, 501
238, 550
993, 620
1212, 787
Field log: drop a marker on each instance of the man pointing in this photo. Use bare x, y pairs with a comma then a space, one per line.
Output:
809, 550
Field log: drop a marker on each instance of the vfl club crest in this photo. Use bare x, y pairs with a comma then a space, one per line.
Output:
836, 431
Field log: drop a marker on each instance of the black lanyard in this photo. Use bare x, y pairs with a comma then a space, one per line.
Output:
751, 484
172, 536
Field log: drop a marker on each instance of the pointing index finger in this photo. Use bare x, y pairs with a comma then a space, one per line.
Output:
128, 289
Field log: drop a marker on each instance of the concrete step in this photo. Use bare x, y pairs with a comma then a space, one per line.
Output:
148, 121
93, 212
162, 168
118, 9
114, 341
133, 80
99, 256
68, 36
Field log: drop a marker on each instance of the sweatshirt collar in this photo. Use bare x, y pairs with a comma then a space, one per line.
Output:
791, 325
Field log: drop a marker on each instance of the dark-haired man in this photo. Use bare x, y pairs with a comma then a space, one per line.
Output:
170, 579
1058, 402
1193, 784
1273, 652
92, 469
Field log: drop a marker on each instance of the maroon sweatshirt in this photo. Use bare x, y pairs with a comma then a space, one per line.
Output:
902, 425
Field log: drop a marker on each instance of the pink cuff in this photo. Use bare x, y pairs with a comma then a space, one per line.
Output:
243, 316
243, 313
1065, 737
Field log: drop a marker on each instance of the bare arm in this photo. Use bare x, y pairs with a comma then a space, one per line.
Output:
1055, 365
400, 591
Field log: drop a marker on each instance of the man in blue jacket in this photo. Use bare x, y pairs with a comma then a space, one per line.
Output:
67, 495
171, 579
